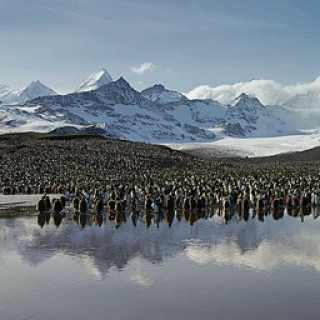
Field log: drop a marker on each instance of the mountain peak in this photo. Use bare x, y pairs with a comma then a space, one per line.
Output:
159, 88
158, 93
245, 99
35, 83
95, 81
243, 96
36, 89
122, 82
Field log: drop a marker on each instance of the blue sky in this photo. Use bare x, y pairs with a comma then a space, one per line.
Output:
188, 43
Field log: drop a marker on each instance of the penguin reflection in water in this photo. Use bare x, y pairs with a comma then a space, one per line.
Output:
120, 217
41, 219
82, 220
98, 219
80, 216
43, 207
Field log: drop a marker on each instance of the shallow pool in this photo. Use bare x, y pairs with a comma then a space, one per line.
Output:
170, 267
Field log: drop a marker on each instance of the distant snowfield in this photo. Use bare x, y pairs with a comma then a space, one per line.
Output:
251, 147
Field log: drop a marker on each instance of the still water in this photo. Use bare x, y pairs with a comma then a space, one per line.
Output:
263, 268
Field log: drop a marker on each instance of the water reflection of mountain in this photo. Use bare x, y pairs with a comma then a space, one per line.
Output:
249, 244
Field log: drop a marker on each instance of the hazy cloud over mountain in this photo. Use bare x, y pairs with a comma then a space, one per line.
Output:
267, 91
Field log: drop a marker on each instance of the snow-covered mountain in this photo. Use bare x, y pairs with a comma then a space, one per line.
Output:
19, 96
247, 116
156, 114
120, 111
95, 81
125, 113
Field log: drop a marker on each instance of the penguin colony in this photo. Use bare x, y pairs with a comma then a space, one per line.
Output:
112, 176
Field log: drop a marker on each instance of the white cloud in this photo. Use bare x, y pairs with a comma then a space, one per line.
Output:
267, 91
143, 68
